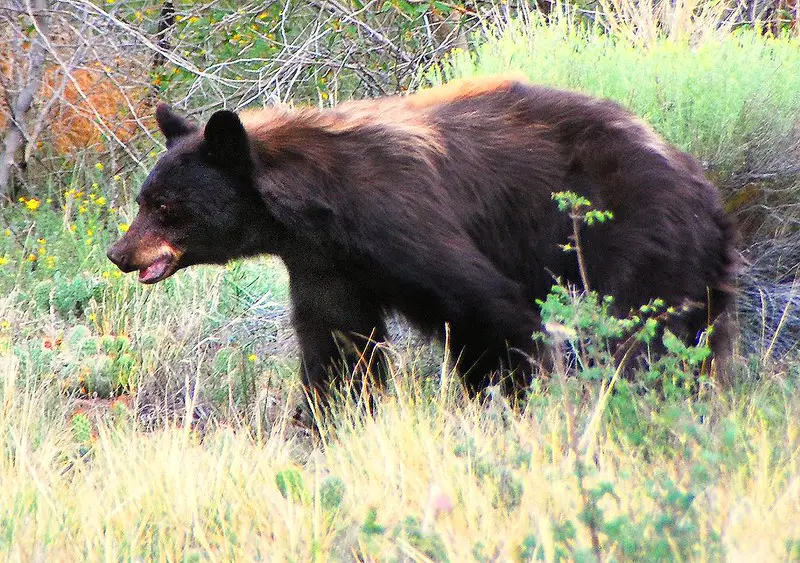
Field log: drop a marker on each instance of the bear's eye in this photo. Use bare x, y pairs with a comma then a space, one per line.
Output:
168, 213
165, 211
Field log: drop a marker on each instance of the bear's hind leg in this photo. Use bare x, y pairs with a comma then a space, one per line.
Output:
483, 360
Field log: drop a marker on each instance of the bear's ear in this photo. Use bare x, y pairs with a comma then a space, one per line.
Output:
172, 125
226, 140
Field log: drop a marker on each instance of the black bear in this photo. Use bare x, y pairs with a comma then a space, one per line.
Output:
437, 205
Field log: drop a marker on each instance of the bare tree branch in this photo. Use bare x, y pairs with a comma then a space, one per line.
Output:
337, 9
16, 136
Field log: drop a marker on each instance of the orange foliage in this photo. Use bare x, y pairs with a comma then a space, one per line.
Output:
5, 72
92, 107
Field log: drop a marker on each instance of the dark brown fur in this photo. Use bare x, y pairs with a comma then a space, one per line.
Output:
439, 206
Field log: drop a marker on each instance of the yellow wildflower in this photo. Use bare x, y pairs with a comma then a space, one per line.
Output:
33, 204
31, 258
124, 227
92, 317
90, 232
3, 260
5, 324
51, 262
41, 240
99, 166
7, 232
252, 357
101, 201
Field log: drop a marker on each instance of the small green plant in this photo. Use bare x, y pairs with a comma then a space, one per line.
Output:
331, 493
792, 550
581, 325
94, 364
509, 490
580, 211
290, 484
426, 542
370, 527
82, 431
530, 550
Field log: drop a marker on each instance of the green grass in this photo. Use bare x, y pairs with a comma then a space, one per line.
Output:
430, 476
69, 315
683, 473
718, 99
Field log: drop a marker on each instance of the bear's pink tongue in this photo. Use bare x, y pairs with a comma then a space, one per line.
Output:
155, 271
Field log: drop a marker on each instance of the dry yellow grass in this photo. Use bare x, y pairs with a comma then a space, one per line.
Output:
167, 495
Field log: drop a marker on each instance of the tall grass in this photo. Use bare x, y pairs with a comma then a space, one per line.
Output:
430, 477
717, 99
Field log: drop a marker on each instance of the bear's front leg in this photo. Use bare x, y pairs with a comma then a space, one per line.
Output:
337, 325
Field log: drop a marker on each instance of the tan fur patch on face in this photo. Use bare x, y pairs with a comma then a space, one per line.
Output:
151, 248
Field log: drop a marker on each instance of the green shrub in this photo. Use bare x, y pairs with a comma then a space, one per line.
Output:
718, 99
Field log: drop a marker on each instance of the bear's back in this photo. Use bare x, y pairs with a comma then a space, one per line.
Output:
484, 156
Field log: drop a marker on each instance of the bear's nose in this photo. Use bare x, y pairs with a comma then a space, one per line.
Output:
119, 258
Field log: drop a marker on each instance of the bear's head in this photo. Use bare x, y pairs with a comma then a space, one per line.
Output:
199, 204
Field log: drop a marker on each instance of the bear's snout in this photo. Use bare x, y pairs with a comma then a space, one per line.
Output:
120, 258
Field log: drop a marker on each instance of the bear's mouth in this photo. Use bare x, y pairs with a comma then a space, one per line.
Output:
159, 269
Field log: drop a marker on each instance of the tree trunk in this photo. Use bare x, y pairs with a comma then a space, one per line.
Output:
166, 23
12, 158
